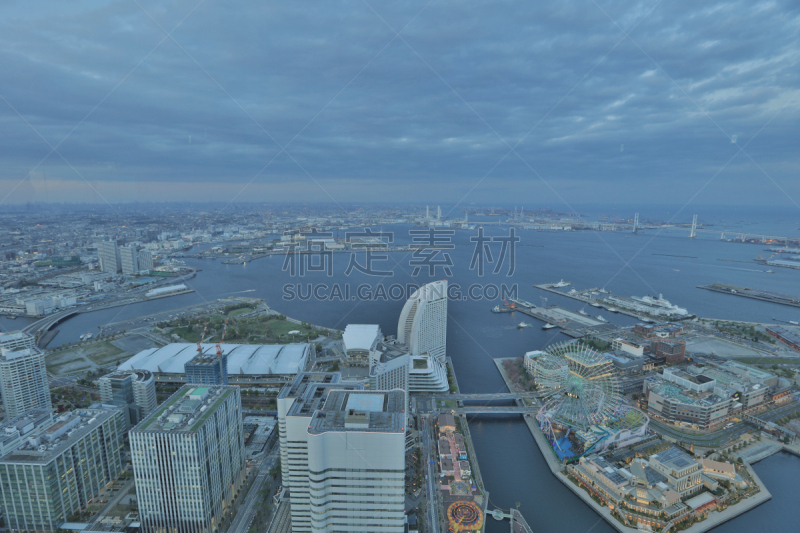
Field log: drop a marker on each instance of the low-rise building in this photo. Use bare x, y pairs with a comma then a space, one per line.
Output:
361, 339
681, 470
673, 351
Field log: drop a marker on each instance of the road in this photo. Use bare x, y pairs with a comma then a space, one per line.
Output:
722, 436
114, 501
432, 490
247, 510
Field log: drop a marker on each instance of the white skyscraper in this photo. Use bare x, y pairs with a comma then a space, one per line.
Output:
296, 405
356, 462
16, 339
342, 460
23, 381
107, 253
129, 260
423, 321
188, 460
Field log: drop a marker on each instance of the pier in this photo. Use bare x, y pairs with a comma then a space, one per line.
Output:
573, 324
745, 292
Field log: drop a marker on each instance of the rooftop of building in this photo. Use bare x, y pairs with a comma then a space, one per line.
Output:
186, 410
304, 379
674, 458
679, 394
9, 336
315, 395
11, 429
243, 359
361, 411
18, 353
50, 440
206, 357
361, 336
138, 374
392, 349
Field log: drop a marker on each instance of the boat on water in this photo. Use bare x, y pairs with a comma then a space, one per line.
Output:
601, 319
562, 283
88, 336
769, 271
584, 313
595, 304
549, 326
83, 337
613, 309
523, 325
498, 309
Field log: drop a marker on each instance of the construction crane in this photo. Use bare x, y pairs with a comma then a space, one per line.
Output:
509, 305
202, 338
219, 344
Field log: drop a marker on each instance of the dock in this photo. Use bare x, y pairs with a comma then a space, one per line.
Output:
571, 323
757, 294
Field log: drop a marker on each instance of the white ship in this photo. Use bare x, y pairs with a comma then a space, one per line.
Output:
88, 336
549, 326
584, 313
83, 336
613, 309
523, 325
601, 319
662, 303
562, 283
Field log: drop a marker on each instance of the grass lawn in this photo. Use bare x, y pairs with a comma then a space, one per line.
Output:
104, 352
68, 367
447, 404
767, 360
188, 336
247, 330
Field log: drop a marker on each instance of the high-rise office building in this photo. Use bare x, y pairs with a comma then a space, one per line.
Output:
356, 462
133, 389
23, 381
188, 460
16, 339
107, 254
342, 459
296, 405
209, 368
59, 466
145, 259
423, 321
129, 261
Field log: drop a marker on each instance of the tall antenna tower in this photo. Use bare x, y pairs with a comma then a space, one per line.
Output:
693, 232
438, 212
635, 222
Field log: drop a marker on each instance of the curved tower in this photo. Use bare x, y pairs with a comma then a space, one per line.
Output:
423, 321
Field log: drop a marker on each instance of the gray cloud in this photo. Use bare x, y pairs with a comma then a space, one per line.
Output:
645, 117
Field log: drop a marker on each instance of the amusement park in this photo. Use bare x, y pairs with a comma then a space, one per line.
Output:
582, 406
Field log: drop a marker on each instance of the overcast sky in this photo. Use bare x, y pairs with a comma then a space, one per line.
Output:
473, 102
